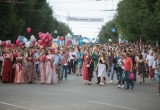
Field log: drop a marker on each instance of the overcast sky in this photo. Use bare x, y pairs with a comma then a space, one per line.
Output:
84, 9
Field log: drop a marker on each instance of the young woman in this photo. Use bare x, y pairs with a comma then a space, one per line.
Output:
79, 56
102, 69
30, 67
90, 66
150, 60
120, 69
19, 74
42, 67
141, 68
51, 77
85, 69
7, 67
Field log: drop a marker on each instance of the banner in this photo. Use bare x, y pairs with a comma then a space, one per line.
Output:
85, 19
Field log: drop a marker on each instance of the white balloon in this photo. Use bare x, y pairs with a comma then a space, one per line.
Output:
25, 40
27, 44
32, 37
109, 40
0, 42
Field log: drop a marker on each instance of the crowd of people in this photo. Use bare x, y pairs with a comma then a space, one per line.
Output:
48, 66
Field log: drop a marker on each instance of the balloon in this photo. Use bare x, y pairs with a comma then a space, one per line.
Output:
28, 29
46, 41
68, 41
43, 38
61, 38
40, 42
20, 45
25, 40
109, 40
44, 58
47, 35
3, 43
18, 41
27, 44
12, 45
50, 39
44, 45
33, 42
33, 37
8, 45
0, 42
39, 33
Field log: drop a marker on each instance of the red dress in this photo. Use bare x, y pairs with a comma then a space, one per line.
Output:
85, 69
7, 70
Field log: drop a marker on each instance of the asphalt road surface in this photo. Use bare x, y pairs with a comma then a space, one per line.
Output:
73, 94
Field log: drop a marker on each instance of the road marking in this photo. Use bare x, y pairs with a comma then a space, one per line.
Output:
117, 106
22, 107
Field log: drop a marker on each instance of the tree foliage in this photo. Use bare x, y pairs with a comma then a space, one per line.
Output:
106, 32
17, 15
139, 18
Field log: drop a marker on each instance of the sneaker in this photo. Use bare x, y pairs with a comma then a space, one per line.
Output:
149, 78
89, 83
117, 81
102, 84
111, 81
122, 86
119, 86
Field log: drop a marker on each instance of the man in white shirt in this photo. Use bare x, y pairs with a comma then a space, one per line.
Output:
72, 58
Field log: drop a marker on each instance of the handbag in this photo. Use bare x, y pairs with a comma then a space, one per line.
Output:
131, 76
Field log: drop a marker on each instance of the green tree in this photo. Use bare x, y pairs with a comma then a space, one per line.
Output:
106, 32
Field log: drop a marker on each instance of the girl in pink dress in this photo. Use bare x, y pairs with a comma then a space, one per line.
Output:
31, 71
50, 69
19, 74
42, 67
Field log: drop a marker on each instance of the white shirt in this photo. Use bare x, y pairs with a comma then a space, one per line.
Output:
70, 55
150, 60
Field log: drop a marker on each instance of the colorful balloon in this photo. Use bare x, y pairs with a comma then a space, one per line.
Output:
3, 43
33, 42
18, 41
28, 29
20, 45
61, 38
12, 45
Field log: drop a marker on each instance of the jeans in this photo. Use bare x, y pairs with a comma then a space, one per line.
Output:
120, 77
72, 66
128, 81
37, 70
62, 70
112, 71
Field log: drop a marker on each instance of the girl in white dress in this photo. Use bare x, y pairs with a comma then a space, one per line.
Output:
50, 69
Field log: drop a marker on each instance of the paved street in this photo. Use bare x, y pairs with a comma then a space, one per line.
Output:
74, 95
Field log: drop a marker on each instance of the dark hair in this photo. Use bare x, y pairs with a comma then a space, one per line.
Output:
127, 54
140, 56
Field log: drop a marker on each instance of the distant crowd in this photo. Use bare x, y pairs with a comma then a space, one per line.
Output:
51, 66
